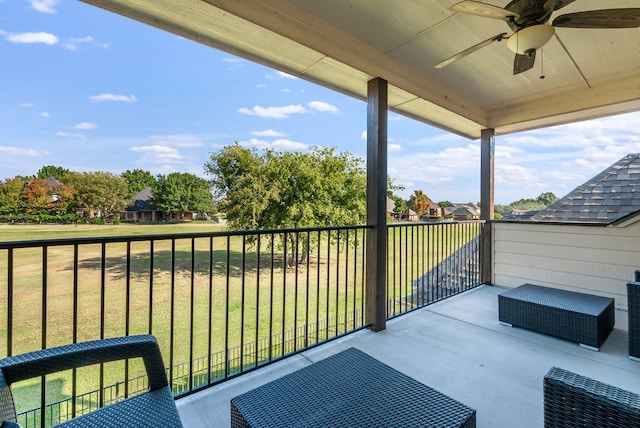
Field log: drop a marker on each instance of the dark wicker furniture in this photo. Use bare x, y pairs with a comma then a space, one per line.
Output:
578, 317
633, 300
155, 408
572, 400
349, 389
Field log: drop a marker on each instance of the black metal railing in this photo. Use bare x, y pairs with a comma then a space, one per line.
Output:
61, 410
428, 262
220, 303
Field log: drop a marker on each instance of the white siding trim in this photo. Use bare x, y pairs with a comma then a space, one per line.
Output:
587, 259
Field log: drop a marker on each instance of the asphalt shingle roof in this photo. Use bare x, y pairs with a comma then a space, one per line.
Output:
610, 196
141, 201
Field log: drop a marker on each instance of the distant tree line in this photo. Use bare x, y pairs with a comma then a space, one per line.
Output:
541, 202
56, 194
254, 190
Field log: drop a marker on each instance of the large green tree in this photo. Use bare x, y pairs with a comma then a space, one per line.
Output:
400, 204
51, 171
10, 196
137, 180
179, 193
274, 190
419, 202
100, 193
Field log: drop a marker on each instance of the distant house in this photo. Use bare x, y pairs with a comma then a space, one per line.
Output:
435, 210
462, 212
411, 215
142, 210
391, 206
610, 198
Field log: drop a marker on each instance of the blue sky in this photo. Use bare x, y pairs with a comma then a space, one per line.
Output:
89, 90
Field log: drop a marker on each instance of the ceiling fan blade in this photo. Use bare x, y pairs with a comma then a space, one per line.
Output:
484, 9
471, 50
523, 63
606, 18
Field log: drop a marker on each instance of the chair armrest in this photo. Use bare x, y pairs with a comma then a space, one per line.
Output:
46, 361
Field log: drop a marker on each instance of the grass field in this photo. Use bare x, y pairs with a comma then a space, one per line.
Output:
187, 292
226, 300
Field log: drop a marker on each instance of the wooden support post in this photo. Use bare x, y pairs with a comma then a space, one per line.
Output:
376, 293
487, 146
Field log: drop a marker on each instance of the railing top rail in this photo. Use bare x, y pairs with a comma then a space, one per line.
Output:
435, 223
168, 236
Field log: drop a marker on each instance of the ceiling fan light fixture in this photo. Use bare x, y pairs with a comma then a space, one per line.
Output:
530, 39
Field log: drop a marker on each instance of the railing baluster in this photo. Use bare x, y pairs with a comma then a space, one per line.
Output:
242, 300
295, 294
127, 324
271, 284
172, 305
43, 340
226, 312
210, 310
103, 287
284, 294
9, 302
192, 310
257, 317
151, 283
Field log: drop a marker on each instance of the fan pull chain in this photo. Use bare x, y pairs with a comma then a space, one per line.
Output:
542, 76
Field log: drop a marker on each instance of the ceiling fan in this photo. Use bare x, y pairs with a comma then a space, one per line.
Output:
528, 21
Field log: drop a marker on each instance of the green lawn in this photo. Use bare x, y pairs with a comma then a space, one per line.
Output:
252, 305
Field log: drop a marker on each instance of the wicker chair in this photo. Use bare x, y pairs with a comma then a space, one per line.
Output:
575, 401
153, 408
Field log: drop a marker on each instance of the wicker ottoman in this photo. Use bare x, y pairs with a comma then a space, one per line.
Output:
349, 389
578, 317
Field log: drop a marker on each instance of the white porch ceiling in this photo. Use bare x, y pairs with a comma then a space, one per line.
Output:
341, 44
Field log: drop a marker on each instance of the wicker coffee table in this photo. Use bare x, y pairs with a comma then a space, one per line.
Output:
349, 389
582, 318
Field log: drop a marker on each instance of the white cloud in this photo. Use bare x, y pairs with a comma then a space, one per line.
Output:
44, 6
364, 135
261, 85
273, 112
268, 133
18, 151
439, 172
85, 126
232, 60
285, 90
72, 43
158, 154
114, 98
26, 105
283, 144
67, 134
322, 106
285, 75
45, 114
28, 38
176, 140
394, 148
280, 144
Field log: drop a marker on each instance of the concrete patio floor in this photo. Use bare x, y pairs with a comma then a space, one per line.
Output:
458, 347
